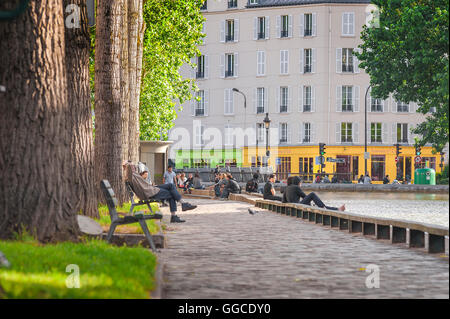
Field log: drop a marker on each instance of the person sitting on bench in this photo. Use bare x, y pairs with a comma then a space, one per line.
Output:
269, 191
231, 186
144, 191
293, 193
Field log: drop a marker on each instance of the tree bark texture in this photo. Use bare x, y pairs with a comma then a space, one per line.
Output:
124, 80
108, 106
35, 153
77, 41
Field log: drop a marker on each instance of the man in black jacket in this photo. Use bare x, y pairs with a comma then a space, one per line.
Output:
230, 187
269, 190
293, 193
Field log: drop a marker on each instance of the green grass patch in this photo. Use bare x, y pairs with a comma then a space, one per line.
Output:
105, 220
105, 271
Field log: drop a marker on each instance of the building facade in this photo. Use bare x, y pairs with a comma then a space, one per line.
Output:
294, 62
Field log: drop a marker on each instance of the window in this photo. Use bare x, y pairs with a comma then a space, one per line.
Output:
307, 99
308, 25
347, 98
200, 105
228, 135
229, 35
261, 63
204, 6
283, 133
346, 133
260, 100
284, 62
376, 133
232, 3
229, 65
402, 132
199, 131
253, 1
284, 26
283, 169
284, 97
402, 107
306, 133
347, 60
308, 61
200, 67
376, 105
261, 29
348, 23
305, 168
228, 102
378, 167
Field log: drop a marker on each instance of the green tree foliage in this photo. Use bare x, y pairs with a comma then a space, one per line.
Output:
407, 55
172, 34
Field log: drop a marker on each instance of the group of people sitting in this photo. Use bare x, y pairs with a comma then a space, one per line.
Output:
224, 185
294, 194
145, 190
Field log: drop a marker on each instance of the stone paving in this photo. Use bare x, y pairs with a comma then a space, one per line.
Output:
224, 252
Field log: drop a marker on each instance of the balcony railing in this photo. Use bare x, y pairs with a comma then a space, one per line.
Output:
284, 33
308, 33
307, 108
283, 108
232, 3
260, 110
307, 69
229, 73
347, 68
229, 38
199, 112
261, 35
200, 75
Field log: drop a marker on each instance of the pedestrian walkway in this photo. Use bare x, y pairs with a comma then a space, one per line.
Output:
224, 252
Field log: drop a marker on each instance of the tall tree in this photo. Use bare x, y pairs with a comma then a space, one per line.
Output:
108, 106
35, 137
172, 35
77, 40
407, 54
125, 79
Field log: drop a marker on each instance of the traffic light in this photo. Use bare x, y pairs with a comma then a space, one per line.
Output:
322, 149
418, 150
398, 149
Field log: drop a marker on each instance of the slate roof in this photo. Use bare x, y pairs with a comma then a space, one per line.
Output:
282, 3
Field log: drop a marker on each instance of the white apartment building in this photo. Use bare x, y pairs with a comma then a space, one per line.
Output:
292, 60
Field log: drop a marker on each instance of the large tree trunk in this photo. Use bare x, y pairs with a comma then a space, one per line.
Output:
79, 101
35, 192
133, 124
124, 79
108, 107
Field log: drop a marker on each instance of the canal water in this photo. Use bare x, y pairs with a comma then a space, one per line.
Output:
424, 208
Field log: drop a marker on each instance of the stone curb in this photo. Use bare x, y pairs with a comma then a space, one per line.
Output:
157, 293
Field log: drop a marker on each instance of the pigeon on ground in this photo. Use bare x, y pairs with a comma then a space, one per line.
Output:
251, 211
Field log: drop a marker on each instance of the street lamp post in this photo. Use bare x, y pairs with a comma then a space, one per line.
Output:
365, 130
267, 126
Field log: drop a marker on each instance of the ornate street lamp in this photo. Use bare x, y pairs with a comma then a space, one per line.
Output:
267, 126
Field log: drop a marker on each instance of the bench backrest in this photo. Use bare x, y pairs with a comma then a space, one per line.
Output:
130, 191
111, 199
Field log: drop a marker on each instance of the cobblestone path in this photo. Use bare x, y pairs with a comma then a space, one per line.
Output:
224, 252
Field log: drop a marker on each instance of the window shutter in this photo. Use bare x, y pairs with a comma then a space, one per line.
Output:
338, 133
267, 31
206, 97
355, 131
369, 100
344, 18
255, 28
313, 132
278, 26
206, 67
369, 133
236, 65
222, 31
278, 99
301, 129
301, 61
193, 68
384, 133
382, 105
356, 61
313, 69
339, 98
339, 60
222, 65
313, 99
410, 137
236, 30
290, 26
394, 133
356, 99
225, 101
314, 24
351, 21
263, 63
193, 107
394, 105
231, 96
302, 25
289, 133
255, 99
289, 94
412, 108
300, 98
266, 100
286, 59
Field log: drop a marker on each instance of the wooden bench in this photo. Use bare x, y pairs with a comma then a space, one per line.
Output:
116, 220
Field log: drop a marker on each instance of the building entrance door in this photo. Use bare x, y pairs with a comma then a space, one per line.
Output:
343, 170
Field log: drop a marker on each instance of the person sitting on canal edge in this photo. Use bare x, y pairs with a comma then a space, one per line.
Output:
293, 193
386, 180
252, 185
230, 187
269, 190
219, 182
